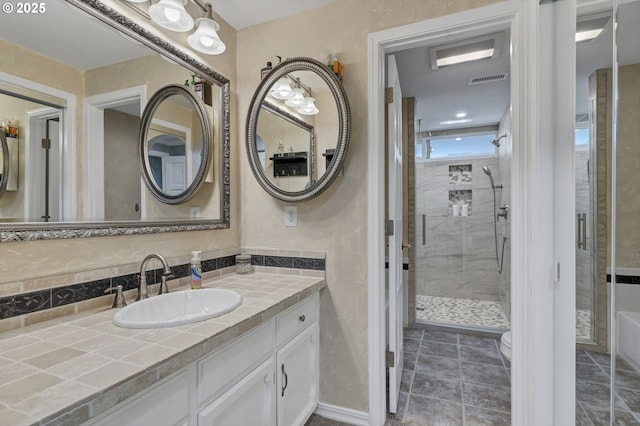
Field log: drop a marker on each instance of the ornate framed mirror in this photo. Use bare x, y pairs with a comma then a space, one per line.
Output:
80, 93
175, 140
297, 153
4, 163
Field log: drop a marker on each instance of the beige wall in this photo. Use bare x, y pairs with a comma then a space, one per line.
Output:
336, 220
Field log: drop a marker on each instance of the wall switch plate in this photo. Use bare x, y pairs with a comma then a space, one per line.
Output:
291, 216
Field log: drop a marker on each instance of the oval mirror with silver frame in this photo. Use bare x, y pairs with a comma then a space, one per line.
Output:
4, 163
297, 159
174, 154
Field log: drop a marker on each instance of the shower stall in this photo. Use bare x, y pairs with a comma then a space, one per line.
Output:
462, 237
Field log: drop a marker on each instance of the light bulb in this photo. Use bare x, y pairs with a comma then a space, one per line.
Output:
172, 14
206, 41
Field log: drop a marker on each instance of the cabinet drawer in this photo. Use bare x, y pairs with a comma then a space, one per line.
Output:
218, 371
296, 319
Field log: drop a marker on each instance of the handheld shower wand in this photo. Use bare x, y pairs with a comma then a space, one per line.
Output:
503, 213
487, 172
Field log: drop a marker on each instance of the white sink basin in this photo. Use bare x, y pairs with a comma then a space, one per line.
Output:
182, 307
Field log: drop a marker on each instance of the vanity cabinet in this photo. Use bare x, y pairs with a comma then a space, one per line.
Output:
265, 377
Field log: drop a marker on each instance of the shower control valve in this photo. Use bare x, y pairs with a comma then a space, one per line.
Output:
504, 212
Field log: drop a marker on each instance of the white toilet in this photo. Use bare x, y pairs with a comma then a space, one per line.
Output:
505, 345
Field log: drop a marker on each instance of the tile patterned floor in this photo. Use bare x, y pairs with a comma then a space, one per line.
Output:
460, 379
462, 312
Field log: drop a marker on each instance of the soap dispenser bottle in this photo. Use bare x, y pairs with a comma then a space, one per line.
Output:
196, 270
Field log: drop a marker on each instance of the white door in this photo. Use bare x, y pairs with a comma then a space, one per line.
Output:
174, 174
394, 160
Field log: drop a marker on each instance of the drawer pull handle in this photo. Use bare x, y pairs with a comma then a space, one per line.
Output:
285, 379
302, 318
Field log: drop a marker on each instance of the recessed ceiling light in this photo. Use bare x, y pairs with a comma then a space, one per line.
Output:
462, 121
483, 47
465, 57
590, 26
587, 35
458, 139
461, 114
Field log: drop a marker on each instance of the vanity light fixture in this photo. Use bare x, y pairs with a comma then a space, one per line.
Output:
172, 15
205, 38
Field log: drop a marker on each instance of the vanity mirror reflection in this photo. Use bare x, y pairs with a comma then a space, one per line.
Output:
84, 95
174, 144
298, 130
607, 206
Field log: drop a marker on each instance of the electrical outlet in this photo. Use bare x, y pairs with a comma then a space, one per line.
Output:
291, 216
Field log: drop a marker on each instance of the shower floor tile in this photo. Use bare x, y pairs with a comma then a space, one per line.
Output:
464, 312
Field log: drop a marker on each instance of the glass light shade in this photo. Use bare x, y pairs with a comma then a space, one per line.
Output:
298, 99
282, 90
205, 38
309, 108
170, 14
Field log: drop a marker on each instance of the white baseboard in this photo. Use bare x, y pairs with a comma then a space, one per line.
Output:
341, 414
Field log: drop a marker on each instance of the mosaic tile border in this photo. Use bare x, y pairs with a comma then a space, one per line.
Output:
625, 279
41, 300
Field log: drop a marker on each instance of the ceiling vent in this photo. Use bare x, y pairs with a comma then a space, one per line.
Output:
488, 78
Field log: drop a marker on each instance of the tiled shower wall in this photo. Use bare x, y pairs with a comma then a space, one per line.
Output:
457, 258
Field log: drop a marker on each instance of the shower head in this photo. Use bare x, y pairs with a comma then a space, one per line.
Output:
487, 172
496, 142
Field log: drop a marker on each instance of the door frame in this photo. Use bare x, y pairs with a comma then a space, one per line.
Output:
68, 140
93, 171
536, 386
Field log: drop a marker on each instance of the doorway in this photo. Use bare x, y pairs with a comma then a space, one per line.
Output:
459, 205
542, 339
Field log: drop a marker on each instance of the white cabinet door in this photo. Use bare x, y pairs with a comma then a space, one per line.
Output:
249, 402
297, 378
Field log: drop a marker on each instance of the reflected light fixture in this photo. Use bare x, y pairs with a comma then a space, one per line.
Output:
591, 26
310, 108
461, 115
298, 99
205, 38
171, 14
282, 90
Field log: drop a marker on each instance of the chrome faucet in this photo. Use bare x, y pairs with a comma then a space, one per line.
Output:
142, 289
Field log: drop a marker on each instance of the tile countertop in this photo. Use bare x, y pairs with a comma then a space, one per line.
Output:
73, 368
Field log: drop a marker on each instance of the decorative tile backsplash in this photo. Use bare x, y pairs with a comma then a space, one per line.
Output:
41, 300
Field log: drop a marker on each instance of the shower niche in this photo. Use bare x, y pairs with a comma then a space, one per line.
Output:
460, 194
